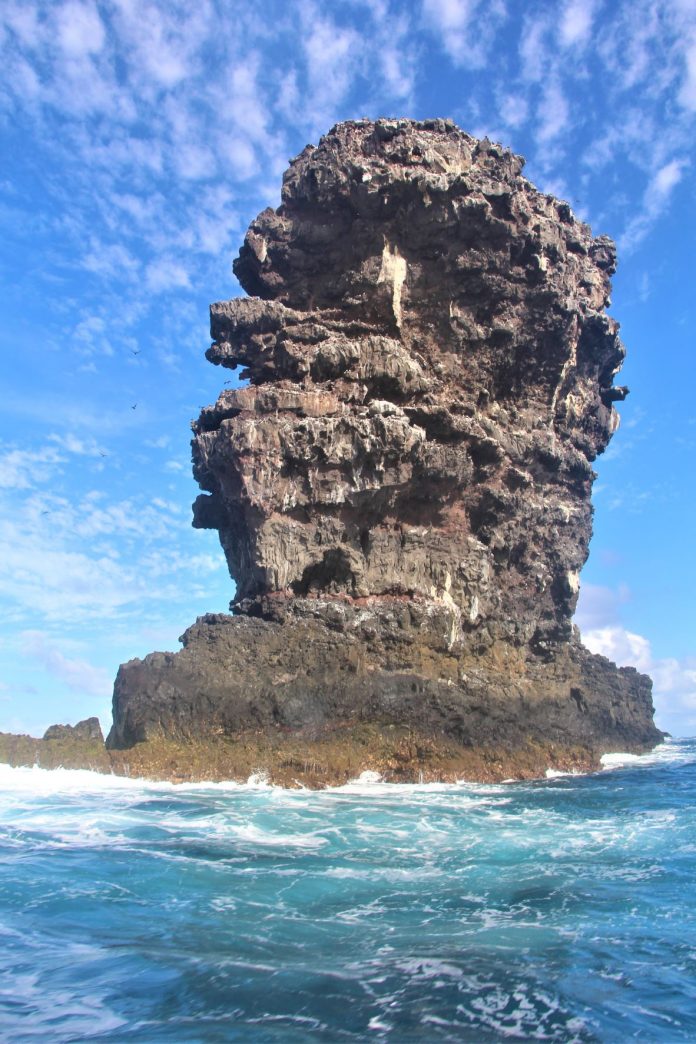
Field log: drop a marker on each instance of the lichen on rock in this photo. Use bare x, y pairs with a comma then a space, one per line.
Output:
402, 490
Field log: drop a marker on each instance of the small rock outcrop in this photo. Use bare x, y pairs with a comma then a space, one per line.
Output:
88, 730
402, 489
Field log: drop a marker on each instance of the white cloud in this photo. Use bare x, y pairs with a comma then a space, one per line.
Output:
23, 469
195, 161
332, 56
90, 336
392, 51
162, 41
449, 16
24, 22
627, 46
513, 109
665, 179
655, 201
166, 274
465, 31
687, 91
136, 207
553, 113
76, 560
82, 447
243, 98
555, 186
575, 26
110, 260
58, 584
533, 51
674, 681
78, 675
239, 157
25, 79
621, 646
288, 100
80, 30
397, 71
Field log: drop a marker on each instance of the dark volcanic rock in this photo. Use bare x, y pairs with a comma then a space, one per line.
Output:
89, 729
403, 489
78, 746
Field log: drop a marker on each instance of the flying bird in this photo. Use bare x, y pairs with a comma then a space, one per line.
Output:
134, 405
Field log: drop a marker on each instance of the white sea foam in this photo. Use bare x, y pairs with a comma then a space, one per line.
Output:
48, 781
38, 780
253, 834
669, 752
618, 760
369, 778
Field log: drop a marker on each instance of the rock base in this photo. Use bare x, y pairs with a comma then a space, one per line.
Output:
310, 678
397, 754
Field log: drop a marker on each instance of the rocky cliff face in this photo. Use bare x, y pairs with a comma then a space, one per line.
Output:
431, 374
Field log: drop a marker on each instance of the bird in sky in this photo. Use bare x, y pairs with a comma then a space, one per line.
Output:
134, 406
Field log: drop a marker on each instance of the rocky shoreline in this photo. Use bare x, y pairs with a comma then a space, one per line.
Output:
296, 759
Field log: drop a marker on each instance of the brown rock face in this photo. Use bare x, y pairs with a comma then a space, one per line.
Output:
431, 376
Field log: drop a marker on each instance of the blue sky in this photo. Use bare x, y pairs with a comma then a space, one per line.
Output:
140, 138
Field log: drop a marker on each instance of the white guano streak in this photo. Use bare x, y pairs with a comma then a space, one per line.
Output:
393, 270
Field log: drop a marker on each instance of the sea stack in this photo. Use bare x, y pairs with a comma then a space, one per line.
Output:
402, 487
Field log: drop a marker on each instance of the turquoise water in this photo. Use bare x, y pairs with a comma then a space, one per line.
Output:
561, 910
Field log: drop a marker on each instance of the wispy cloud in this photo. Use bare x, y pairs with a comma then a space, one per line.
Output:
553, 113
332, 56
166, 274
687, 91
80, 30
513, 109
575, 26
77, 674
24, 468
655, 201
465, 29
533, 47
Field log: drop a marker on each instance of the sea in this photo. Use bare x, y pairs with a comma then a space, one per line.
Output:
556, 910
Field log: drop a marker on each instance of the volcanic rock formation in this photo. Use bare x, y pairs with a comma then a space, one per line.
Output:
402, 490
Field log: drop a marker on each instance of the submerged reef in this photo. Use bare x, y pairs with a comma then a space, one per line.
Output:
402, 489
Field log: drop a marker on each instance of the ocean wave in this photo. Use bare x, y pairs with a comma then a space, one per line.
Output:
447, 912
671, 752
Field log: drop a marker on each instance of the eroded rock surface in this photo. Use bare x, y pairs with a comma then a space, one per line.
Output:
402, 490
